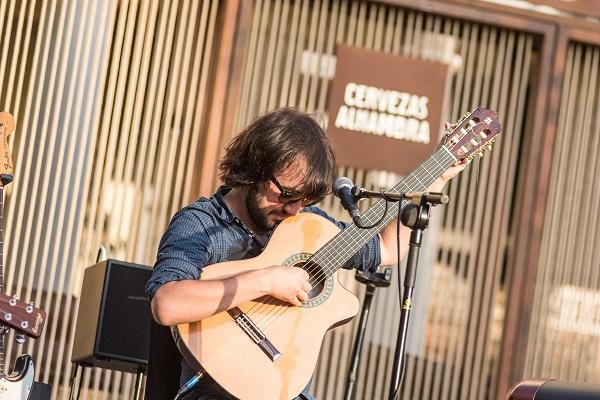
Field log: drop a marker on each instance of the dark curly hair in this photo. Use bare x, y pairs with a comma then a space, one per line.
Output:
271, 143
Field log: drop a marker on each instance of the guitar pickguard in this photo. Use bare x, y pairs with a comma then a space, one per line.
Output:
17, 385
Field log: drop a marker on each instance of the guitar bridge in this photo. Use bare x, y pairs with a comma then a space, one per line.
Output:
254, 332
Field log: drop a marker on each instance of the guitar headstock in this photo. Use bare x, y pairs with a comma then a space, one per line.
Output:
22, 317
7, 126
473, 133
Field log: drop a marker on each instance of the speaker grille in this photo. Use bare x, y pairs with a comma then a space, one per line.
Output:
126, 313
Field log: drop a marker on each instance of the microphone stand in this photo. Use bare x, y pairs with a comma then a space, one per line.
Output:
415, 216
372, 280
418, 223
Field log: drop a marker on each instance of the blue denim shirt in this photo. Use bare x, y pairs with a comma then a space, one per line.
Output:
207, 232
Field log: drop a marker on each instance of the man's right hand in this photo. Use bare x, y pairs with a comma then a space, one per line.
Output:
288, 284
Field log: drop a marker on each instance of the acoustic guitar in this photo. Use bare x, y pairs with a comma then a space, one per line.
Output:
267, 349
23, 317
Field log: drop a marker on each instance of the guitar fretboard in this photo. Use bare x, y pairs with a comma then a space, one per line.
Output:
344, 245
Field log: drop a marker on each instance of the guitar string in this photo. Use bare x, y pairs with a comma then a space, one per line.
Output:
276, 307
279, 307
320, 274
270, 317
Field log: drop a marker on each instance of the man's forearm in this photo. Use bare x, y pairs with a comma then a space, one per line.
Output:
188, 301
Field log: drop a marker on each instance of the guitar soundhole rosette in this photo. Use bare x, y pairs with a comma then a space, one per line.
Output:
322, 288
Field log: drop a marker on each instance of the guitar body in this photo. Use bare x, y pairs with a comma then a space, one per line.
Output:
17, 385
229, 355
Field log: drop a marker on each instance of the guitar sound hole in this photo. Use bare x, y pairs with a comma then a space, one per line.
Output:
317, 278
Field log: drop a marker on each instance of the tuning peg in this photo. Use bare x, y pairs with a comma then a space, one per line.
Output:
20, 338
29, 307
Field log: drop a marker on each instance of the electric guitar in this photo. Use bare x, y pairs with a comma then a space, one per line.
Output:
24, 318
267, 349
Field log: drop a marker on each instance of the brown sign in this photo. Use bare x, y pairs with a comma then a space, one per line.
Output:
384, 110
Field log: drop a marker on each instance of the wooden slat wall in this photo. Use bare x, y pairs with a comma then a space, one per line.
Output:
110, 100
458, 358
564, 340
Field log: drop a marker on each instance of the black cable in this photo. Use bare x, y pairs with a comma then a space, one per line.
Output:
376, 223
399, 273
398, 255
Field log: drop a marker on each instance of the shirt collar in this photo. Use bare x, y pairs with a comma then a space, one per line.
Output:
222, 208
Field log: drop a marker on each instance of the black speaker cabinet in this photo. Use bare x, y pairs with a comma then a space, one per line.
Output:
113, 321
40, 391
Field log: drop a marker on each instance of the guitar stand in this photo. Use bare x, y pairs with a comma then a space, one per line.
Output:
372, 280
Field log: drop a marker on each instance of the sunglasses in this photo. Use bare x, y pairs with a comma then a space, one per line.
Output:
288, 196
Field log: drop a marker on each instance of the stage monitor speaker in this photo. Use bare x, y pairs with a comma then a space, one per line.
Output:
113, 321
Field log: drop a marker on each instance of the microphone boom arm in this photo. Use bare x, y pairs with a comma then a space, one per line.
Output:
416, 197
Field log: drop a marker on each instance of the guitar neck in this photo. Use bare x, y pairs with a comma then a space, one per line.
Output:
2, 328
1, 239
347, 243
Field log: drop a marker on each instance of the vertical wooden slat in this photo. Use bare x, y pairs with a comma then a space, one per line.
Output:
123, 203
279, 44
140, 135
216, 115
10, 82
195, 112
290, 55
169, 124
150, 132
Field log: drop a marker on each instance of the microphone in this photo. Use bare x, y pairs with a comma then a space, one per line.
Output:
342, 188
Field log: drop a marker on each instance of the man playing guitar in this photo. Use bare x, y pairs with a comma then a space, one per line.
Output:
280, 165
